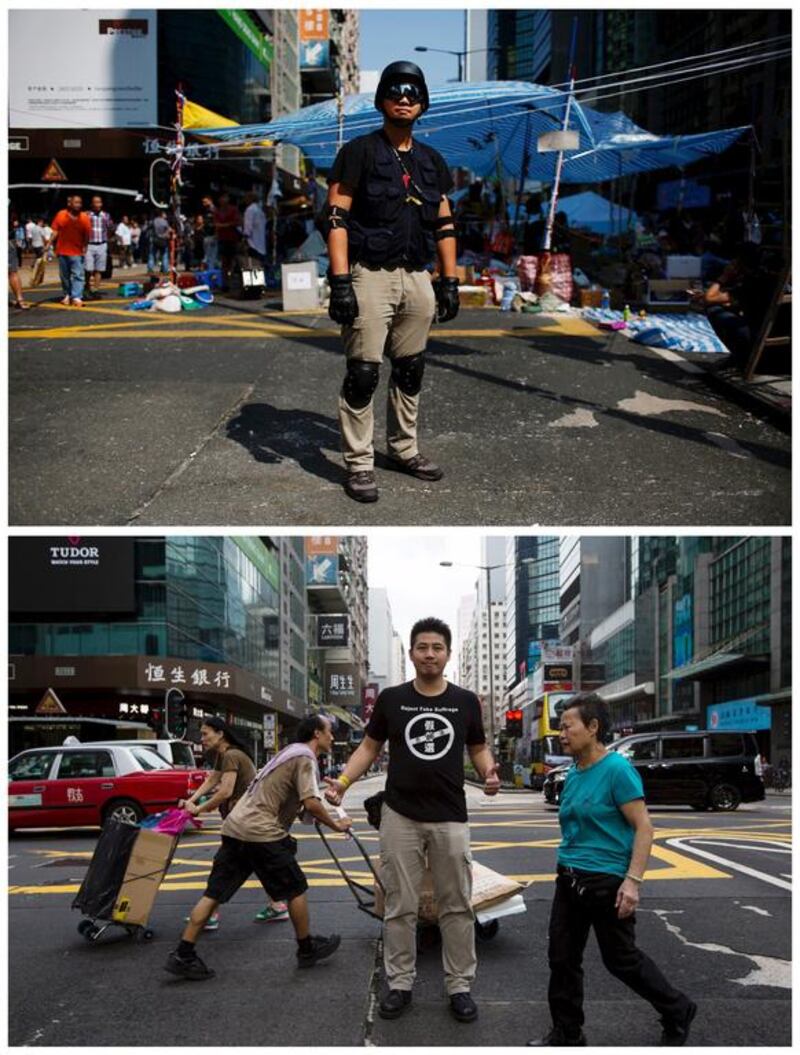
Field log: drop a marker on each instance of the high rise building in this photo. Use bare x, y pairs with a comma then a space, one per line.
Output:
328, 53
385, 648
108, 625
240, 64
336, 583
534, 45
592, 582
727, 640
531, 602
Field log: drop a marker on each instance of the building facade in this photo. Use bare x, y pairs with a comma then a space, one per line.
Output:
110, 633
240, 64
336, 584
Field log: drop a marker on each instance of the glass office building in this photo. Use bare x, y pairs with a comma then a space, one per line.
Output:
202, 614
196, 598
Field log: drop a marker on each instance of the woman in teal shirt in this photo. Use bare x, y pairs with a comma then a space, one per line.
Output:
605, 846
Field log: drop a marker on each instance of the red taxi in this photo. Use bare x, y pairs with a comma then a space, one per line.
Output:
60, 787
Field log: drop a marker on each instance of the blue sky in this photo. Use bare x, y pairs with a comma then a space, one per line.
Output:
391, 34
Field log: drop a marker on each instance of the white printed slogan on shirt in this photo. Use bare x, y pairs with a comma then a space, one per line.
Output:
429, 736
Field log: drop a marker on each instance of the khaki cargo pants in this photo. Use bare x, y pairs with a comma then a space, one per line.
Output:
396, 310
404, 845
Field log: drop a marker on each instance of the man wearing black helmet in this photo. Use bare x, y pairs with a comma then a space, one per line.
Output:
387, 216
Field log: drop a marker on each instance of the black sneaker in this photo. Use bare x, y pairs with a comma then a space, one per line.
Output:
361, 486
676, 1030
394, 1003
320, 949
557, 1038
463, 1007
418, 466
192, 968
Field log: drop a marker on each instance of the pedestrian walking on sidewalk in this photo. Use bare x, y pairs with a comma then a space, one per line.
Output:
71, 232
387, 217
605, 845
428, 722
255, 838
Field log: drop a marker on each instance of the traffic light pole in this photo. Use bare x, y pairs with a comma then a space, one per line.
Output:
172, 696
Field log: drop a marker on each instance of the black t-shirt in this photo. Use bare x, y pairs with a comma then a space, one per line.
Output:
427, 736
351, 161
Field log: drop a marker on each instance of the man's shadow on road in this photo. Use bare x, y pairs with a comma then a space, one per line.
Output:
272, 435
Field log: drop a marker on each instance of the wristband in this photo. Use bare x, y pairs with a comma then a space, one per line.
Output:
636, 879
343, 780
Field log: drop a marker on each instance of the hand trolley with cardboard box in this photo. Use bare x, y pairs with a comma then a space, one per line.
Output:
120, 886
493, 895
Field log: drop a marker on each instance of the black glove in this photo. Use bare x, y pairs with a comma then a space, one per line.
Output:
343, 306
447, 303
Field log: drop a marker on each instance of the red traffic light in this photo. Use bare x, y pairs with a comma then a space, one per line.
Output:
512, 716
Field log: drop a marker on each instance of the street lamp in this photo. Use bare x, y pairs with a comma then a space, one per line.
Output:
460, 55
488, 568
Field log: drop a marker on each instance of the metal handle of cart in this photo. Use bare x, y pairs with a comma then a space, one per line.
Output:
365, 897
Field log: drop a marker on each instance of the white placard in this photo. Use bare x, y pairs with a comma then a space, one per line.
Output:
298, 280
82, 69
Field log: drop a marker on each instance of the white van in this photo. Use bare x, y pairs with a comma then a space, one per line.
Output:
179, 753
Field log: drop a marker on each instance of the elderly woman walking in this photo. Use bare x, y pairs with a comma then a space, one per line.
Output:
605, 846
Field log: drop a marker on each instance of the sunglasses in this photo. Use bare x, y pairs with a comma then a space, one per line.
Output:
404, 90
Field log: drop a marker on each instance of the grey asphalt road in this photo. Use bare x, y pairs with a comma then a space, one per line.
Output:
225, 417
719, 933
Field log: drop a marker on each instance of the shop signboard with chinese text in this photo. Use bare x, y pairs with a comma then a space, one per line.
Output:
314, 23
333, 631
739, 716
342, 684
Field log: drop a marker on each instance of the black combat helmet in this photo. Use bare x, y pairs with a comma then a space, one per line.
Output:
399, 71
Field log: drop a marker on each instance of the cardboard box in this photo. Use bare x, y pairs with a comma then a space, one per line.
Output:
300, 286
473, 296
591, 298
489, 888
147, 864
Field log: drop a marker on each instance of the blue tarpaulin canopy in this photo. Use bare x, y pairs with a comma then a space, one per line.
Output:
595, 213
492, 128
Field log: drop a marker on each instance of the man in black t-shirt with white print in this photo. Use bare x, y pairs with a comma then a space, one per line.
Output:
427, 722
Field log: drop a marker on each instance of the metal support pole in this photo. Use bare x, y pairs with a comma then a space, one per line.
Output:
488, 571
548, 233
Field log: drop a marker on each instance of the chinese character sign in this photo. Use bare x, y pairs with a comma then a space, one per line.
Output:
333, 631
341, 684
314, 23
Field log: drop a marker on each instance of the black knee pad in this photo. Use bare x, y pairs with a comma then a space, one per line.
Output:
360, 383
407, 373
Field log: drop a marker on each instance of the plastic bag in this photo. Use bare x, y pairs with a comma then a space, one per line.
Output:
175, 821
106, 870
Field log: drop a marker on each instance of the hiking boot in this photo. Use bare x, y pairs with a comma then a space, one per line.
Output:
676, 1030
463, 1007
320, 949
361, 486
271, 915
191, 967
557, 1038
394, 1003
418, 466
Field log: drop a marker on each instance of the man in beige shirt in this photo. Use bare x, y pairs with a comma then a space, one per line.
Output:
255, 838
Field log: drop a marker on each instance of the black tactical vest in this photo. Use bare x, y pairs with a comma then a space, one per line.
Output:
386, 229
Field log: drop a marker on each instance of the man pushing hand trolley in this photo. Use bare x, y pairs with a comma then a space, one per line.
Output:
493, 895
